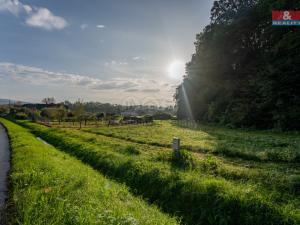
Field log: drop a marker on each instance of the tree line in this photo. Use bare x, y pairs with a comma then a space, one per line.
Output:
244, 72
81, 113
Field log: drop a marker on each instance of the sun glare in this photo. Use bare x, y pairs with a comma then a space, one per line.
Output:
176, 69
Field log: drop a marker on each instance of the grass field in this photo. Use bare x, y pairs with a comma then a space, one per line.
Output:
255, 145
198, 186
50, 187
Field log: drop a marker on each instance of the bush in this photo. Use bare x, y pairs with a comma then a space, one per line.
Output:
209, 164
287, 155
295, 184
162, 116
131, 150
21, 116
183, 159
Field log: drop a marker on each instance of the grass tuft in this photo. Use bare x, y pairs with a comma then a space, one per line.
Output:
183, 159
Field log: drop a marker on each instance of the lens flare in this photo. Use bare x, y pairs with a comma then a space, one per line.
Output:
176, 69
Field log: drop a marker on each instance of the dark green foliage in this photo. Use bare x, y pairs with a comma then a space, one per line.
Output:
21, 116
129, 149
183, 159
245, 73
295, 184
4, 110
283, 155
209, 164
162, 116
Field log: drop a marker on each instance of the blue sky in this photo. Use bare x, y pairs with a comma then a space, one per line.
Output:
118, 51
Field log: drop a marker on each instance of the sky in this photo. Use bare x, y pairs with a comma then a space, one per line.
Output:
126, 52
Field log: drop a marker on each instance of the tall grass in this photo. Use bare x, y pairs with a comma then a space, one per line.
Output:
198, 198
250, 145
50, 187
273, 176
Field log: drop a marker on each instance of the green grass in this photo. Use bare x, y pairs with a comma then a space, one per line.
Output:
253, 145
271, 175
211, 192
50, 187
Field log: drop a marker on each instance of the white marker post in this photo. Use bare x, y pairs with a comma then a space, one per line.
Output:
176, 144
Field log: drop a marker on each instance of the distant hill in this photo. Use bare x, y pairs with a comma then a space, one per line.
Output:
4, 101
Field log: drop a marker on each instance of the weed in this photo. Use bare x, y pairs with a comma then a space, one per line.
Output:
183, 159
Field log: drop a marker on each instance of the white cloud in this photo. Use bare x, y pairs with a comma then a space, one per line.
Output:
41, 77
139, 58
101, 26
34, 16
122, 90
27, 9
43, 18
83, 26
14, 6
114, 63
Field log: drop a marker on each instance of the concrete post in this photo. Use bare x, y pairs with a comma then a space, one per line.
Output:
176, 144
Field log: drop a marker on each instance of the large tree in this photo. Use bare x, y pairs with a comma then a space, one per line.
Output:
244, 71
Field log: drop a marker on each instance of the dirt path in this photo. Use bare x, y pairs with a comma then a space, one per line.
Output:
4, 168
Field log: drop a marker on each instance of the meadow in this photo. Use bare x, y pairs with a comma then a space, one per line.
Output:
246, 186
48, 186
254, 145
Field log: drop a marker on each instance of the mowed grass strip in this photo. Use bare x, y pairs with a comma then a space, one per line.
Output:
50, 187
198, 199
250, 145
280, 177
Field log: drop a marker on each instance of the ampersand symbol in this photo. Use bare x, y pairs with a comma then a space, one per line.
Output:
286, 15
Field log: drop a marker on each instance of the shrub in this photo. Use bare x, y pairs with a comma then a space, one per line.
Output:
286, 155
209, 164
183, 159
131, 150
295, 184
162, 116
21, 116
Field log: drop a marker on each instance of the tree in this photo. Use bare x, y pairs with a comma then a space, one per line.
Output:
100, 116
71, 116
48, 101
79, 111
49, 113
244, 71
61, 114
4, 110
88, 117
34, 114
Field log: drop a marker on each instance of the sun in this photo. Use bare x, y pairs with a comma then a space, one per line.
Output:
176, 69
